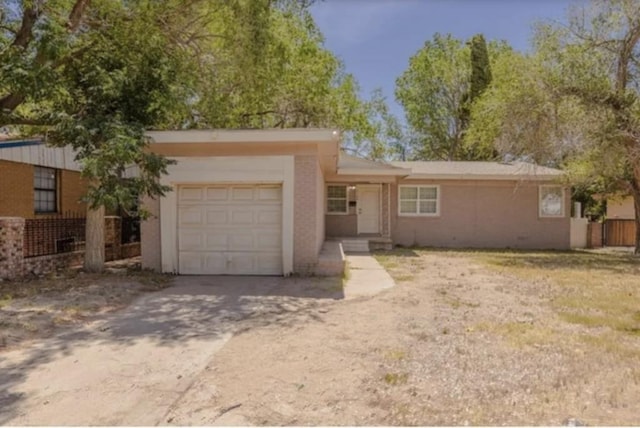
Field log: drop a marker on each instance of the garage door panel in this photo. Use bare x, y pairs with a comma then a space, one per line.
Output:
268, 241
267, 262
241, 241
230, 229
190, 240
216, 193
242, 216
269, 217
270, 194
217, 216
242, 193
190, 262
190, 194
215, 263
190, 216
216, 241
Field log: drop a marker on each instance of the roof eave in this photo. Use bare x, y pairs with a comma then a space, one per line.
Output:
244, 136
374, 171
513, 177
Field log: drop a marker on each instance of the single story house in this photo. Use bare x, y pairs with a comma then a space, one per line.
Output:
39, 181
263, 202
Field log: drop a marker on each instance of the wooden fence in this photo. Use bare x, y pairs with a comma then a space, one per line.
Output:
619, 233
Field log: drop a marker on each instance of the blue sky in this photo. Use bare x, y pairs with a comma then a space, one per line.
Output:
375, 38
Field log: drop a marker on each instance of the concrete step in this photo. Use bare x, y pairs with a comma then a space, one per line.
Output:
355, 245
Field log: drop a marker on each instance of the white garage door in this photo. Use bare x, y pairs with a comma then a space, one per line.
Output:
230, 229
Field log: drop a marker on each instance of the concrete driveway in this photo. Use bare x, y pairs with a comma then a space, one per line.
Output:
130, 367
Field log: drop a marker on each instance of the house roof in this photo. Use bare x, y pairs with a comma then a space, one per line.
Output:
34, 152
351, 165
474, 170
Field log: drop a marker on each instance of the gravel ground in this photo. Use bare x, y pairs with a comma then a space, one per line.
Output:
454, 343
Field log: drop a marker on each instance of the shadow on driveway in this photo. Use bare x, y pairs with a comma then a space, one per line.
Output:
169, 332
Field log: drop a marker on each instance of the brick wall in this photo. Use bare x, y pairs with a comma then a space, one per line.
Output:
16, 190
305, 241
386, 227
72, 188
11, 230
14, 265
594, 235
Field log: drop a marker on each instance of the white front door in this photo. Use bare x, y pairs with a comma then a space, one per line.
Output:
368, 208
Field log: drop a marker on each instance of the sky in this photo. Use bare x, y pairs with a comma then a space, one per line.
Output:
376, 38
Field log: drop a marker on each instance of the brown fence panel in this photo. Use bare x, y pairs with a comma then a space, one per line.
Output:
619, 233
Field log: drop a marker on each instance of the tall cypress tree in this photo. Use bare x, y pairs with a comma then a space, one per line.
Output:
479, 81
480, 68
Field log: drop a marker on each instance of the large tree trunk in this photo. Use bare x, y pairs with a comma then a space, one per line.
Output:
94, 247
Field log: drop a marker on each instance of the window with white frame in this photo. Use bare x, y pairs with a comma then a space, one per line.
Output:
337, 199
44, 190
551, 201
419, 200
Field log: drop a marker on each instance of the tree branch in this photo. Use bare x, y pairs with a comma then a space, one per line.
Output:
11, 119
29, 17
77, 13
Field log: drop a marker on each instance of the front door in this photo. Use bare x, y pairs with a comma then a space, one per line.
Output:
368, 208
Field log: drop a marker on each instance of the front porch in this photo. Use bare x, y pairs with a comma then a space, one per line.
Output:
358, 210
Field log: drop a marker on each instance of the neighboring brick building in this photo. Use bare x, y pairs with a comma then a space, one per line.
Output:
39, 181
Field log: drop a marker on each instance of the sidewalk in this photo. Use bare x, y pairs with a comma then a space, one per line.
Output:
366, 276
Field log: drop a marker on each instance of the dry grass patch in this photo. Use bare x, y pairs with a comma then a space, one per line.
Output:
519, 334
591, 289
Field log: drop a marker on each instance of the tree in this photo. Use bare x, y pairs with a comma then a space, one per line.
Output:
443, 81
290, 80
94, 75
581, 101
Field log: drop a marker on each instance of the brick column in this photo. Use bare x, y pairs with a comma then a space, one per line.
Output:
594, 235
112, 234
305, 212
11, 247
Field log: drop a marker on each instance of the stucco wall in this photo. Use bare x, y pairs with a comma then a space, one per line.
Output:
16, 190
482, 214
150, 236
621, 208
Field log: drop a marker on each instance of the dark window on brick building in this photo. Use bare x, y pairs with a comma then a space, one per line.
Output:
45, 190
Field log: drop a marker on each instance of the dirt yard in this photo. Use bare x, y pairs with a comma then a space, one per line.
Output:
34, 309
465, 338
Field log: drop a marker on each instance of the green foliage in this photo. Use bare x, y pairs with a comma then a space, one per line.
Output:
438, 90
574, 102
286, 78
95, 75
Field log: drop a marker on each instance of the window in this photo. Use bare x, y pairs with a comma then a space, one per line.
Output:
44, 190
337, 200
551, 202
419, 200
